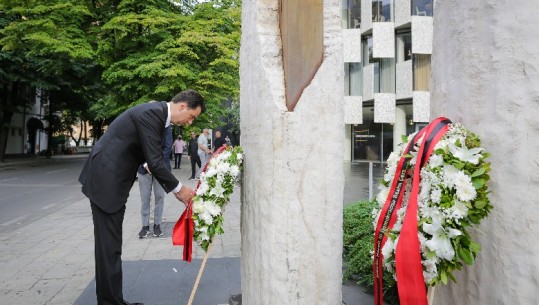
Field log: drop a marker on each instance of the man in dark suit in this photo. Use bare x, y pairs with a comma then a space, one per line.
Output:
109, 173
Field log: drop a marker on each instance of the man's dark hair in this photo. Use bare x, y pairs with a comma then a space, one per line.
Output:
192, 98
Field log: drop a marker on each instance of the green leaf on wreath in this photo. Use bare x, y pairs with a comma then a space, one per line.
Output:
474, 219
466, 256
443, 277
475, 247
452, 277
480, 204
465, 240
478, 183
459, 165
479, 172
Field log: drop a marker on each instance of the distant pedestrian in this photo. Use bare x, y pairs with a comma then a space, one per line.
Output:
203, 150
219, 141
192, 153
179, 145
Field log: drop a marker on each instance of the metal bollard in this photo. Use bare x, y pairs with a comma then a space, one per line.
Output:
370, 181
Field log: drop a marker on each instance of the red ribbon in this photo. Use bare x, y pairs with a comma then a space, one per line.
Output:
388, 217
411, 284
182, 234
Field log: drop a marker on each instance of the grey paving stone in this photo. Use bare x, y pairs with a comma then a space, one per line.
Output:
170, 282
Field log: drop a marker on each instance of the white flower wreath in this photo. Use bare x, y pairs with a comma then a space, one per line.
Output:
452, 198
213, 193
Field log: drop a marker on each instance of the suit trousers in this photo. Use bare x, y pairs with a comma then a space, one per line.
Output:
195, 160
108, 255
146, 183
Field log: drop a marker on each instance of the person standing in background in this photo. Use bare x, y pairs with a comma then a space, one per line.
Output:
146, 183
179, 145
219, 141
192, 154
203, 151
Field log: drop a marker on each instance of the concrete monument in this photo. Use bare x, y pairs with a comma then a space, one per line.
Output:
486, 76
292, 132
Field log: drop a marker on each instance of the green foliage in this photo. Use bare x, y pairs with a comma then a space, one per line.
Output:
153, 52
50, 39
358, 243
108, 55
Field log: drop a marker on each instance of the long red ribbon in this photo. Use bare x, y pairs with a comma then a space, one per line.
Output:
388, 217
410, 280
410, 283
182, 234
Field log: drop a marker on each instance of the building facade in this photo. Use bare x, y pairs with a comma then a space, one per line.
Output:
387, 67
27, 127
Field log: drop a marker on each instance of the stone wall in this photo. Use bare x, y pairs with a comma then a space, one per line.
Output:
486, 76
293, 171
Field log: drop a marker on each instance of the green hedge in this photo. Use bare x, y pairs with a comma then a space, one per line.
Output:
358, 243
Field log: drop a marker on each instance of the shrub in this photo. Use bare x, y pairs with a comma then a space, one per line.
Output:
358, 243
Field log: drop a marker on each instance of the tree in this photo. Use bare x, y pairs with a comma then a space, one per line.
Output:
48, 44
204, 56
93, 59
156, 51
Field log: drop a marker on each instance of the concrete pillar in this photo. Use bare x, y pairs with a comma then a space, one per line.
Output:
292, 194
485, 74
399, 128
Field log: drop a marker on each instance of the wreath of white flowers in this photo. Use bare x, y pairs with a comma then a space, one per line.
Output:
452, 199
213, 193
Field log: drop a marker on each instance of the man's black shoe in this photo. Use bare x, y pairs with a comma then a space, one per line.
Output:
127, 303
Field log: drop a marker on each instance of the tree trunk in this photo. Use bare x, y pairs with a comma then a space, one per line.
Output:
50, 129
4, 133
85, 130
5, 116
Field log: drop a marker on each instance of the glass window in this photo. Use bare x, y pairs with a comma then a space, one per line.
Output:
371, 141
351, 14
404, 47
387, 75
422, 7
422, 70
384, 69
382, 11
366, 51
369, 59
353, 79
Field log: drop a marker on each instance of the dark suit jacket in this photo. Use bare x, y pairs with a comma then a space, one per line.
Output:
166, 146
132, 139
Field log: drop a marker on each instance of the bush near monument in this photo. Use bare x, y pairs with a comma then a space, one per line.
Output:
357, 247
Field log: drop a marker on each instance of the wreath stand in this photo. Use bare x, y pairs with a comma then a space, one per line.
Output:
197, 281
430, 295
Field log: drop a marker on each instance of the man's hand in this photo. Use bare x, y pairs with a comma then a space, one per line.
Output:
185, 194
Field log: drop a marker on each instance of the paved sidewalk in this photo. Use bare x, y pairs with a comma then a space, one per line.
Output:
51, 261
